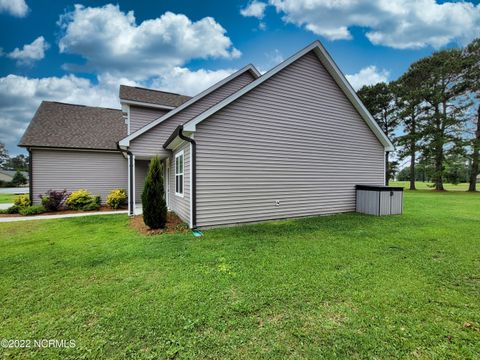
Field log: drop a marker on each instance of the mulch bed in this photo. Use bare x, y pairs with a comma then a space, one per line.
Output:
64, 212
174, 225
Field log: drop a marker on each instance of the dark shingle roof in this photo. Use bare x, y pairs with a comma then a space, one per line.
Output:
74, 126
151, 96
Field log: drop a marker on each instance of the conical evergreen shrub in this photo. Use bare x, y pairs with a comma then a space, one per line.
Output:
153, 197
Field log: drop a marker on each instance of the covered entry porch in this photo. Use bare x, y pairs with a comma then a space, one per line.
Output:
138, 168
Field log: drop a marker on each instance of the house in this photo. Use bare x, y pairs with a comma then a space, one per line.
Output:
292, 142
7, 175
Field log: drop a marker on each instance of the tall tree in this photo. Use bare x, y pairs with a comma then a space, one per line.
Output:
409, 114
472, 79
19, 162
441, 87
380, 102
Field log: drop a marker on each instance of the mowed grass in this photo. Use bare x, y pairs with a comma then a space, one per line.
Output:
7, 198
343, 286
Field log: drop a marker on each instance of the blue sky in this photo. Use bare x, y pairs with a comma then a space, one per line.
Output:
80, 54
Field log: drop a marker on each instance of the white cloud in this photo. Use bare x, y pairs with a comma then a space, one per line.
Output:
111, 41
187, 82
369, 75
20, 96
274, 58
399, 24
254, 9
30, 52
14, 7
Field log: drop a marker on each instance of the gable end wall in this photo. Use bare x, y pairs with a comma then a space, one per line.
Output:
151, 142
295, 139
141, 116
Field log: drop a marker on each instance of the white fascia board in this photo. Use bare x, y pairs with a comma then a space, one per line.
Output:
126, 141
334, 71
144, 104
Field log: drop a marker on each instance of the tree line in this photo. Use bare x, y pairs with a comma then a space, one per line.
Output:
16, 163
432, 115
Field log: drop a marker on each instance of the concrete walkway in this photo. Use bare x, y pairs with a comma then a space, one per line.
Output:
5, 206
48, 217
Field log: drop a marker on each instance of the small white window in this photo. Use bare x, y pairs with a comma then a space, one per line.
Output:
179, 165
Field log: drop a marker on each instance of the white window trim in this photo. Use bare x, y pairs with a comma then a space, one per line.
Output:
177, 155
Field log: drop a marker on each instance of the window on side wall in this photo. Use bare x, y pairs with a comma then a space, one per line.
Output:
179, 167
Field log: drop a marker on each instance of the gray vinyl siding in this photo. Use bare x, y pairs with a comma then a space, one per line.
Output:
151, 142
141, 116
141, 168
295, 139
98, 172
180, 205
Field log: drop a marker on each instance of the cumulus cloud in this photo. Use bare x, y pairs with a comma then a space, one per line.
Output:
254, 9
30, 52
369, 75
14, 7
20, 96
406, 24
111, 41
188, 82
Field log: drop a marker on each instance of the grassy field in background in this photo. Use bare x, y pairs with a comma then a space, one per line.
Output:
342, 286
429, 186
7, 198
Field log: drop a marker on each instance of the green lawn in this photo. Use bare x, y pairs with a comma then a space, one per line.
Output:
345, 286
7, 198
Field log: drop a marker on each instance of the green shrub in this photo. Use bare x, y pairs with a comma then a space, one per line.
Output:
116, 198
13, 209
83, 200
31, 210
22, 200
153, 200
91, 207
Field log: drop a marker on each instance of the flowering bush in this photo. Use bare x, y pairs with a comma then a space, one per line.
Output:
116, 198
54, 200
22, 200
83, 200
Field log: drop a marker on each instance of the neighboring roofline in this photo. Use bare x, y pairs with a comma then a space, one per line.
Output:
334, 71
145, 104
125, 142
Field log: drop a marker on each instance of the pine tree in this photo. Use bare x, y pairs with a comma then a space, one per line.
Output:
472, 79
440, 84
410, 114
153, 197
379, 100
